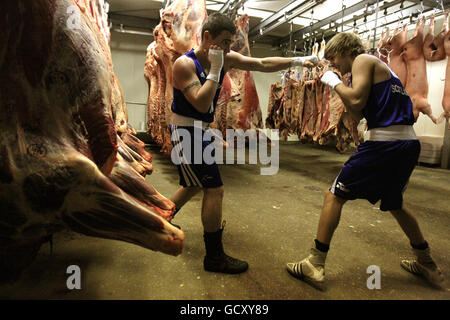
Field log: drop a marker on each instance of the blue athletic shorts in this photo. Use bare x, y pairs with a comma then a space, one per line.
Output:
378, 170
192, 174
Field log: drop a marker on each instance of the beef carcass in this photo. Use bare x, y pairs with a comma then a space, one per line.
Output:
298, 99
284, 124
238, 102
320, 108
395, 49
309, 111
332, 116
276, 95
119, 108
416, 80
97, 12
58, 144
178, 32
140, 165
228, 95
446, 97
136, 145
433, 47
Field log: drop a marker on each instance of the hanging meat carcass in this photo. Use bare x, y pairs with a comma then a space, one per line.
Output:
334, 108
433, 46
298, 102
58, 143
273, 109
238, 102
320, 107
238, 99
383, 47
96, 12
285, 111
446, 97
416, 80
311, 110
178, 32
395, 49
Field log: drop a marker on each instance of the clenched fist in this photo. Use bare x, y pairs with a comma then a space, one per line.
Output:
331, 79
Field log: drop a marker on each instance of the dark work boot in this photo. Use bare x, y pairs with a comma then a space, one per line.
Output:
216, 260
173, 216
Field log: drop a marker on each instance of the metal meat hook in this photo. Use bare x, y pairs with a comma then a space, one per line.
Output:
441, 3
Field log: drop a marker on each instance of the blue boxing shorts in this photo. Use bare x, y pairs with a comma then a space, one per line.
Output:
193, 170
378, 170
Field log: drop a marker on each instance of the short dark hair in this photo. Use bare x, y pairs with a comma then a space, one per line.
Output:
216, 23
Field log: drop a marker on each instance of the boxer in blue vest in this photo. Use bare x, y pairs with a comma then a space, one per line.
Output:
381, 167
197, 77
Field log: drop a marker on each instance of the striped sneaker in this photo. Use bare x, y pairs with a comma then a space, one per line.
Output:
311, 269
429, 271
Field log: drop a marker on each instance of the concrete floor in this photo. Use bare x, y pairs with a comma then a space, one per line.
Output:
271, 220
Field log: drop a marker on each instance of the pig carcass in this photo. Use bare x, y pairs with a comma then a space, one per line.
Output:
416, 80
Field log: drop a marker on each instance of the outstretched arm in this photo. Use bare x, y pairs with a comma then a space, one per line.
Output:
271, 64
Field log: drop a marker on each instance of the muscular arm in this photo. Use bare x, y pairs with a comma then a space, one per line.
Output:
186, 80
271, 64
355, 97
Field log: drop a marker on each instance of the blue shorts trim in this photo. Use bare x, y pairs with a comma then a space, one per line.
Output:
192, 174
379, 170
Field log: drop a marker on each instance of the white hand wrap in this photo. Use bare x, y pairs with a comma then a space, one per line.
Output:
299, 61
216, 59
331, 79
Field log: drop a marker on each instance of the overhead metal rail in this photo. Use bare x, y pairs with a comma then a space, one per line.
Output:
324, 28
406, 13
227, 5
335, 22
331, 19
286, 14
132, 21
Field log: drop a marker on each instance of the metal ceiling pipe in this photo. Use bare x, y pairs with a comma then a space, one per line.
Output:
333, 18
286, 20
227, 5
293, 9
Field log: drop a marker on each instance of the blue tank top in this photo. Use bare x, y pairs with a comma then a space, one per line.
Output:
388, 104
181, 106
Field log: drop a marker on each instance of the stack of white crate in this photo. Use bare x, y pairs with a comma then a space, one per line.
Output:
431, 149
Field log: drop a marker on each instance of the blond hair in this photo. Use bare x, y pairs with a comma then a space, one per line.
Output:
344, 43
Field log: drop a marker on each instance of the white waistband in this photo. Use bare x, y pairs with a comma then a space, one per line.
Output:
396, 132
179, 120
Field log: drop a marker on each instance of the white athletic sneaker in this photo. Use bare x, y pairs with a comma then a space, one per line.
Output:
425, 266
430, 272
311, 269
